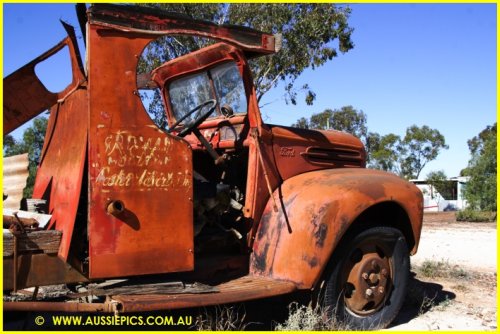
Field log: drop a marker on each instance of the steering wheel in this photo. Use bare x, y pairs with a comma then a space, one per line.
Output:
201, 117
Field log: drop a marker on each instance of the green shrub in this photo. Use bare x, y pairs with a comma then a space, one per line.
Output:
468, 215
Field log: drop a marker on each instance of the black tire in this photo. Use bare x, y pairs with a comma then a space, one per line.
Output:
375, 259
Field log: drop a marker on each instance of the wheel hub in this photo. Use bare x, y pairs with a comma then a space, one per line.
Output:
368, 280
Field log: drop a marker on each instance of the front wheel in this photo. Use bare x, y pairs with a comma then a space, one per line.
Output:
367, 281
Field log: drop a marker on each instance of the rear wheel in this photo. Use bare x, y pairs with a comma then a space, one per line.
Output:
366, 285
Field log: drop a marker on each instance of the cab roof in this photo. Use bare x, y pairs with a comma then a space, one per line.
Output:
149, 20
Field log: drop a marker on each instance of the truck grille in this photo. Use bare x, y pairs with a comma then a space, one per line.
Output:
340, 157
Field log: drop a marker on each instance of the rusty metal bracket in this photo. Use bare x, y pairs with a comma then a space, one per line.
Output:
14, 267
16, 228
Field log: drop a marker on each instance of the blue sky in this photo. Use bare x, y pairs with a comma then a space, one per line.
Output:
423, 64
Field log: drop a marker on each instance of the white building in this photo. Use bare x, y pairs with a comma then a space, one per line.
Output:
451, 199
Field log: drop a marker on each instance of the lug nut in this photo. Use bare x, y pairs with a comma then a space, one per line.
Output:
381, 290
369, 293
384, 272
373, 278
364, 275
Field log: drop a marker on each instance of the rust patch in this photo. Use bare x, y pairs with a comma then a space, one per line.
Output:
311, 261
259, 259
320, 235
320, 228
264, 224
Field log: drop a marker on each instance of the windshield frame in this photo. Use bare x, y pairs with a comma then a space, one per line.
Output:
202, 60
210, 76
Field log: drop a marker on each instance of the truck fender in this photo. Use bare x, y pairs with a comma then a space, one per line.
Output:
316, 209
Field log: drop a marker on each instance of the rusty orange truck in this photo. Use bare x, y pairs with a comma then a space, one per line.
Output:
217, 206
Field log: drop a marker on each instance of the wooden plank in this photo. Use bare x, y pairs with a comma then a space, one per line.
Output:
38, 270
46, 241
26, 222
171, 288
26, 217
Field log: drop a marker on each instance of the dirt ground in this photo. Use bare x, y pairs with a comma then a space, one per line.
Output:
464, 299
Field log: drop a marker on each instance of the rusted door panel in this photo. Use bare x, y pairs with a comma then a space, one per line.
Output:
24, 94
296, 242
24, 98
60, 173
132, 161
137, 166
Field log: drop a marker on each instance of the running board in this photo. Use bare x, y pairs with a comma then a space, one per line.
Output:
238, 290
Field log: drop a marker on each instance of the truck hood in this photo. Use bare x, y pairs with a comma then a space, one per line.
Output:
323, 138
298, 151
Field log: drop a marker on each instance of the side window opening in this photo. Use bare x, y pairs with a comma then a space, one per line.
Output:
152, 102
55, 72
229, 87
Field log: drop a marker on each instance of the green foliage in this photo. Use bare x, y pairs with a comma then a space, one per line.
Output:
405, 156
384, 152
419, 146
302, 123
440, 182
481, 189
469, 215
308, 32
477, 144
345, 119
31, 143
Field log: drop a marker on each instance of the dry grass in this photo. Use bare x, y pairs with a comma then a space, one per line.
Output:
441, 269
461, 288
221, 318
309, 318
